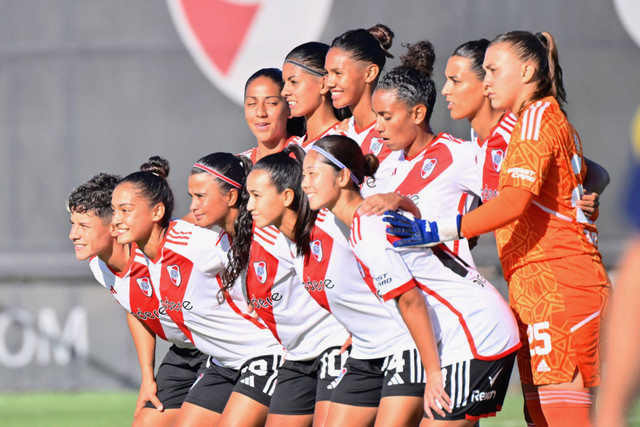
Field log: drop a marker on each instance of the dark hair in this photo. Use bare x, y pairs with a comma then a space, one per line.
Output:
313, 55
284, 172
151, 183
474, 50
412, 81
94, 196
370, 45
295, 125
235, 168
349, 153
542, 50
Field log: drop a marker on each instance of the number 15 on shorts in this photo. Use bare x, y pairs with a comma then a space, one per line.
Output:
539, 340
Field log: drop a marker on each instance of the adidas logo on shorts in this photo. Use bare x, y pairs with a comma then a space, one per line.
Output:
396, 379
543, 367
335, 382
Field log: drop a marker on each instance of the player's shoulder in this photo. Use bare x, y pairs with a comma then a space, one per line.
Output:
267, 236
367, 229
182, 235
541, 119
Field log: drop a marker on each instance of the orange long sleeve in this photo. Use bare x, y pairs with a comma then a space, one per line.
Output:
508, 206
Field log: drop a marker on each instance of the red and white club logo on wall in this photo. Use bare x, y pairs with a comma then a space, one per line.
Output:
231, 39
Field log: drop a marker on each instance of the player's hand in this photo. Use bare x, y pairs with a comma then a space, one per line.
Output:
435, 398
589, 203
148, 390
379, 203
346, 345
413, 231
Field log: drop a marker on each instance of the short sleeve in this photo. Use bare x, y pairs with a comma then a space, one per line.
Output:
387, 269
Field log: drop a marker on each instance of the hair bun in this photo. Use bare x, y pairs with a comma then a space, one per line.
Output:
420, 56
384, 35
157, 166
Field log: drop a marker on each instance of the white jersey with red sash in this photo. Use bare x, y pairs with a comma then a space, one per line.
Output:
186, 274
469, 317
491, 153
132, 289
442, 180
303, 327
330, 274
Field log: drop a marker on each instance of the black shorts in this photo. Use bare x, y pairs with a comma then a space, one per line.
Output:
365, 382
255, 379
176, 374
300, 384
477, 387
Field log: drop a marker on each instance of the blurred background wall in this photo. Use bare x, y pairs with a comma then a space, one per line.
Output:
89, 86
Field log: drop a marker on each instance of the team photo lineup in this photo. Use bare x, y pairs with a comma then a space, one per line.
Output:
325, 277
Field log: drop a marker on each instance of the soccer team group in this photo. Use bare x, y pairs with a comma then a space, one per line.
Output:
325, 277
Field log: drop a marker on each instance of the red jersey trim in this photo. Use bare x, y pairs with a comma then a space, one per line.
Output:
306, 142
162, 243
235, 308
400, 290
127, 268
364, 129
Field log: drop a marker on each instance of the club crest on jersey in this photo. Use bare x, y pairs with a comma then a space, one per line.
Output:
228, 39
174, 274
145, 286
316, 250
496, 157
427, 167
376, 146
260, 268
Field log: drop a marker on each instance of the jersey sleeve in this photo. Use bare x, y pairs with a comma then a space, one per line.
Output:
468, 170
531, 154
389, 273
210, 250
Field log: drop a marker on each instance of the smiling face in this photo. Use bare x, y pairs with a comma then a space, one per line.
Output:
346, 78
133, 218
302, 90
319, 181
266, 205
463, 90
91, 235
265, 111
394, 120
504, 77
209, 204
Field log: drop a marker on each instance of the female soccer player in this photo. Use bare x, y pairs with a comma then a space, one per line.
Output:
382, 380
267, 114
306, 93
312, 337
118, 268
558, 286
491, 128
353, 65
436, 171
475, 331
185, 262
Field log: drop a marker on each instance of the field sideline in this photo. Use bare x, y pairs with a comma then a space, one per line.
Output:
106, 409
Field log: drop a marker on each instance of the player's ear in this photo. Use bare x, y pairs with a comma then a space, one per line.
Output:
371, 73
113, 231
288, 196
232, 197
324, 89
344, 177
157, 212
419, 113
528, 72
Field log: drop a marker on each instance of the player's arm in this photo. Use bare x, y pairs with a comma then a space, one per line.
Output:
377, 204
416, 316
145, 341
596, 180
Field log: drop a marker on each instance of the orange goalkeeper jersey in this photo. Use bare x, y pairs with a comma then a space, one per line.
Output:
545, 158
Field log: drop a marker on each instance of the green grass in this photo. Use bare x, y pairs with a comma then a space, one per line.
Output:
95, 409
106, 409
